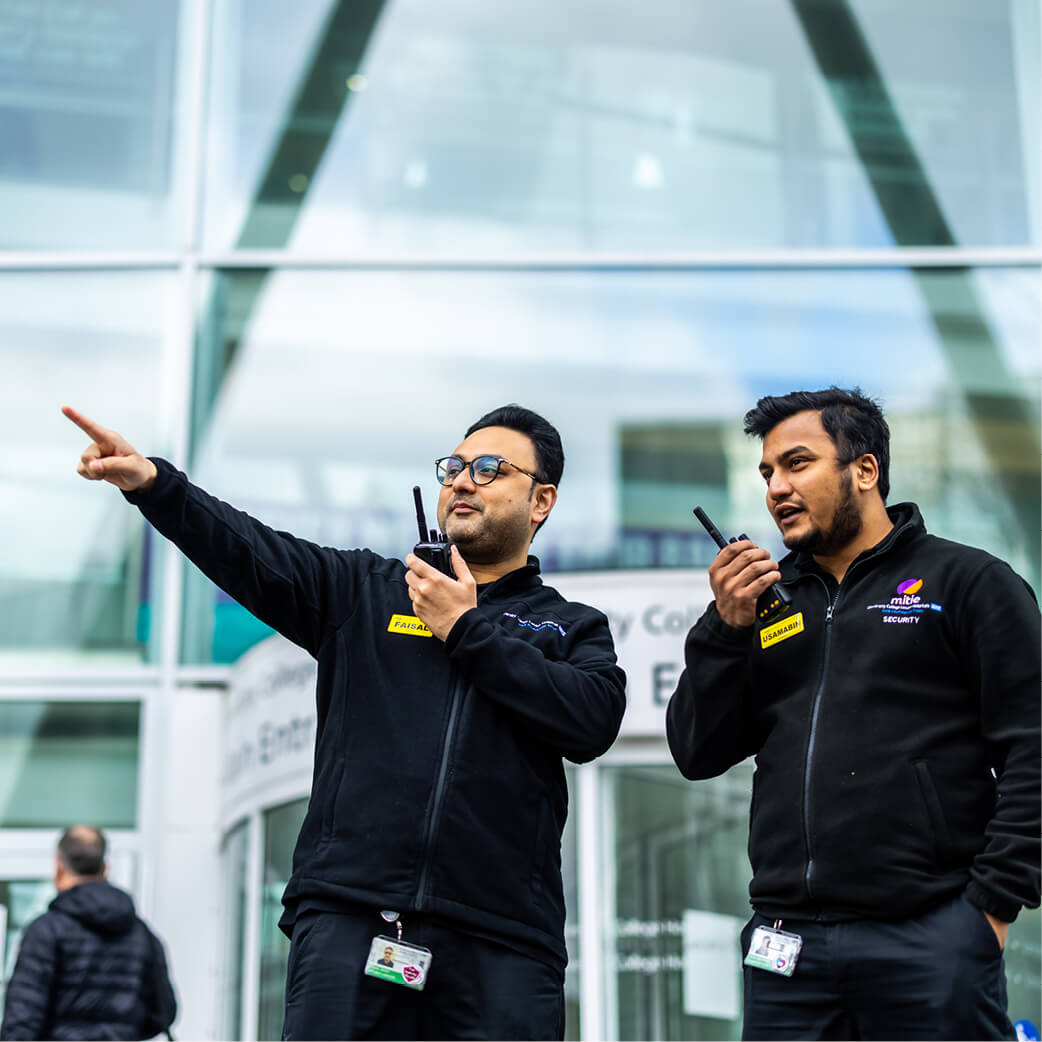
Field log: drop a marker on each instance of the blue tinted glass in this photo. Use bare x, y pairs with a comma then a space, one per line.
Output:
87, 124
482, 125
667, 364
63, 762
76, 562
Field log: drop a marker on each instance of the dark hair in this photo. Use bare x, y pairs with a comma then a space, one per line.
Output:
549, 453
854, 422
82, 850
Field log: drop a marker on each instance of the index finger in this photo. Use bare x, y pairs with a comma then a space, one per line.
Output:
418, 566
88, 426
732, 550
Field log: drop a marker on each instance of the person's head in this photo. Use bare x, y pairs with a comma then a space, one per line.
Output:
80, 857
389, 954
492, 513
826, 461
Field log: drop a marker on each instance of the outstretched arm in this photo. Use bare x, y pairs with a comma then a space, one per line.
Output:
300, 589
110, 457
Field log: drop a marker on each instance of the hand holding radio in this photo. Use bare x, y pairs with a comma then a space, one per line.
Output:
440, 584
433, 546
744, 580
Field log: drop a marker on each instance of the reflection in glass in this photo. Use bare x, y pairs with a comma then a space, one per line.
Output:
75, 561
64, 762
482, 126
281, 825
678, 849
647, 374
235, 873
21, 901
87, 124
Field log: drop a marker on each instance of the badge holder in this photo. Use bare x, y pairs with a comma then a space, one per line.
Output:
392, 959
774, 950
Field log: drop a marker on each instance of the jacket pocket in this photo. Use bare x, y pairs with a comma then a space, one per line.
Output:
942, 837
330, 802
542, 835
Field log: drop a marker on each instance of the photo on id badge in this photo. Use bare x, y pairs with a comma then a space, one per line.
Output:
398, 962
774, 950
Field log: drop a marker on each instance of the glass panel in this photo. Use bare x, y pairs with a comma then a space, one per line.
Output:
235, 871
678, 855
63, 762
21, 901
476, 125
76, 577
281, 825
1024, 967
680, 848
87, 110
307, 381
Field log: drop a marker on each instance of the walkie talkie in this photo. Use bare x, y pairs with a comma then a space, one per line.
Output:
433, 546
771, 603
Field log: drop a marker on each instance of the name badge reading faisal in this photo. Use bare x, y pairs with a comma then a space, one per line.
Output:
398, 962
774, 950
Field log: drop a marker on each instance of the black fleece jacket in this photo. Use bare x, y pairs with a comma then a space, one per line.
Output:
895, 723
89, 968
438, 781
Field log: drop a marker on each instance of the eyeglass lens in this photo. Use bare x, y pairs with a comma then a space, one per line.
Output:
483, 469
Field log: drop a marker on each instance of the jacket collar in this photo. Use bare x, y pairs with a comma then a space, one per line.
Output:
908, 523
523, 578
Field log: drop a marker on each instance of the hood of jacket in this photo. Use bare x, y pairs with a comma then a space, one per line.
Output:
99, 906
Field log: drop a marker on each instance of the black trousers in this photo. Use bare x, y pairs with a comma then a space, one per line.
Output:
476, 989
940, 976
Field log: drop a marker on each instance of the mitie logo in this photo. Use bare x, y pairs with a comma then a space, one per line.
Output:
907, 607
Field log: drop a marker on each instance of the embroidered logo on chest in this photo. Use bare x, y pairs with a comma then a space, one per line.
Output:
529, 624
907, 608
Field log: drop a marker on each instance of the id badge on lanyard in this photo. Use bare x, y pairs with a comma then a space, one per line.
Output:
774, 950
392, 959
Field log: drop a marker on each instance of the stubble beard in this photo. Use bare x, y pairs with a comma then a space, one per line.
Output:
489, 542
845, 528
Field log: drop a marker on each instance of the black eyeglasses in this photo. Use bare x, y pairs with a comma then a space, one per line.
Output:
483, 469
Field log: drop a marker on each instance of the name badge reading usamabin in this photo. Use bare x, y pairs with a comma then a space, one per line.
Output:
782, 630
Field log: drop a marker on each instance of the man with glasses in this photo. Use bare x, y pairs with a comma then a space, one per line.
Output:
466, 694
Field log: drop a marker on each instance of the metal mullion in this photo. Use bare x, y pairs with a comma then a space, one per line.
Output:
900, 257
591, 903
252, 928
710, 260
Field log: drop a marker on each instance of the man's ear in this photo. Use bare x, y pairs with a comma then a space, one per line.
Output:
543, 502
866, 472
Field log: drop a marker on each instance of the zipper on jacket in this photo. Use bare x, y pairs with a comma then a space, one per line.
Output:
439, 789
808, 874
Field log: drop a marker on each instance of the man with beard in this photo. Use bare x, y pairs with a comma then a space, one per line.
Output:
470, 690
893, 713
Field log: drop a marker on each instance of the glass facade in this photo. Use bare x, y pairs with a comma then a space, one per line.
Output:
63, 762
281, 825
298, 251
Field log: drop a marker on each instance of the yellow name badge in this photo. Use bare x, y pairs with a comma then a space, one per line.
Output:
408, 624
788, 627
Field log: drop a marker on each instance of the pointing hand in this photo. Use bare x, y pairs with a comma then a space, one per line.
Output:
111, 458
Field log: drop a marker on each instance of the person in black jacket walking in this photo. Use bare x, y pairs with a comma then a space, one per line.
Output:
893, 712
89, 967
468, 692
